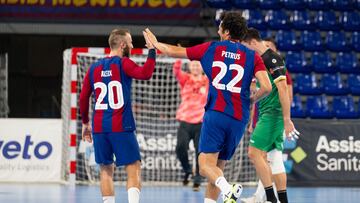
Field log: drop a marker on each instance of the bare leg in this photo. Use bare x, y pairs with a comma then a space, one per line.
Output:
106, 180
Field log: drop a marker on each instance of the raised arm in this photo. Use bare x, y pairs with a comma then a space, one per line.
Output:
263, 78
192, 53
140, 72
179, 74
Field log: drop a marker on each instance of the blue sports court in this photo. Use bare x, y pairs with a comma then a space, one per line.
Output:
57, 193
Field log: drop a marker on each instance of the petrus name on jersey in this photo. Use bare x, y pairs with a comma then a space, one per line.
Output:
231, 55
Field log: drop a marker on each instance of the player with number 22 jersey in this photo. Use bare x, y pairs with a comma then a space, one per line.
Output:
230, 67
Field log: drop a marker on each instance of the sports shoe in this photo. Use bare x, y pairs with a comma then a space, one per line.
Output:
196, 187
186, 179
234, 194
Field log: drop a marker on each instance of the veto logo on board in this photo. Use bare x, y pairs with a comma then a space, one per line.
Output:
27, 149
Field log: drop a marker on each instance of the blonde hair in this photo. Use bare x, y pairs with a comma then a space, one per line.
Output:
116, 36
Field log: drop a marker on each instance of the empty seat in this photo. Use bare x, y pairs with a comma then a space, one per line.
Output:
343, 5
302, 20
333, 84
322, 63
336, 41
344, 107
286, 41
295, 84
312, 41
225, 4
297, 110
350, 21
307, 84
270, 4
327, 20
296, 62
319, 4
244, 4
347, 63
318, 107
255, 19
277, 19
354, 84
266, 34
355, 41
294, 4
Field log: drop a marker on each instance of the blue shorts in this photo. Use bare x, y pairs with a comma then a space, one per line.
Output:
220, 133
123, 145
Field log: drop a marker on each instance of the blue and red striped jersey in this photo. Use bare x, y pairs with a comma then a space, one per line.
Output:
109, 79
230, 67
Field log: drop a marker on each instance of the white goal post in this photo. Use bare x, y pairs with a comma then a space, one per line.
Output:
154, 105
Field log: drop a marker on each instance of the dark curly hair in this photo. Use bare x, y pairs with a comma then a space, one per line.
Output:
252, 33
234, 23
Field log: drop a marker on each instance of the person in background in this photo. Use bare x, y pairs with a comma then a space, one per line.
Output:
193, 91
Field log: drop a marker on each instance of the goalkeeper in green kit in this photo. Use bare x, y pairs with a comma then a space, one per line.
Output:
274, 119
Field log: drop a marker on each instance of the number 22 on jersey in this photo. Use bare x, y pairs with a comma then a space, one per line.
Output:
109, 89
223, 70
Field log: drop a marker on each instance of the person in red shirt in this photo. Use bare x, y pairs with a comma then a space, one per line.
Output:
193, 90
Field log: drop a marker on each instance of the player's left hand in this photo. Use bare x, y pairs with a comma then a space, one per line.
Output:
148, 44
86, 132
290, 132
151, 36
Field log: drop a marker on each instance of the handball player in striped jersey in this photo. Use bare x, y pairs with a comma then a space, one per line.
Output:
112, 129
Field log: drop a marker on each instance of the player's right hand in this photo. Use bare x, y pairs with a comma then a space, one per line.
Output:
290, 132
86, 132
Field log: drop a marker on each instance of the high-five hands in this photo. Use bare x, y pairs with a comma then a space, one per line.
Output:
148, 44
151, 37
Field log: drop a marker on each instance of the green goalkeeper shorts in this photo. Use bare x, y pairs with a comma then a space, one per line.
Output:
268, 133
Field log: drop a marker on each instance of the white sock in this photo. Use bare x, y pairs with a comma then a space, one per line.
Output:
108, 199
207, 200
223, 185
133, 195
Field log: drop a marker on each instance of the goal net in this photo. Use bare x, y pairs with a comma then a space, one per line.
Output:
154, 103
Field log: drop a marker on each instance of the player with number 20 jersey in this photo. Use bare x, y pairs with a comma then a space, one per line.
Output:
109, 79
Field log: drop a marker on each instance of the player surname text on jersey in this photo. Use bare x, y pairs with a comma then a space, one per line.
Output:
106, 73
230, 55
